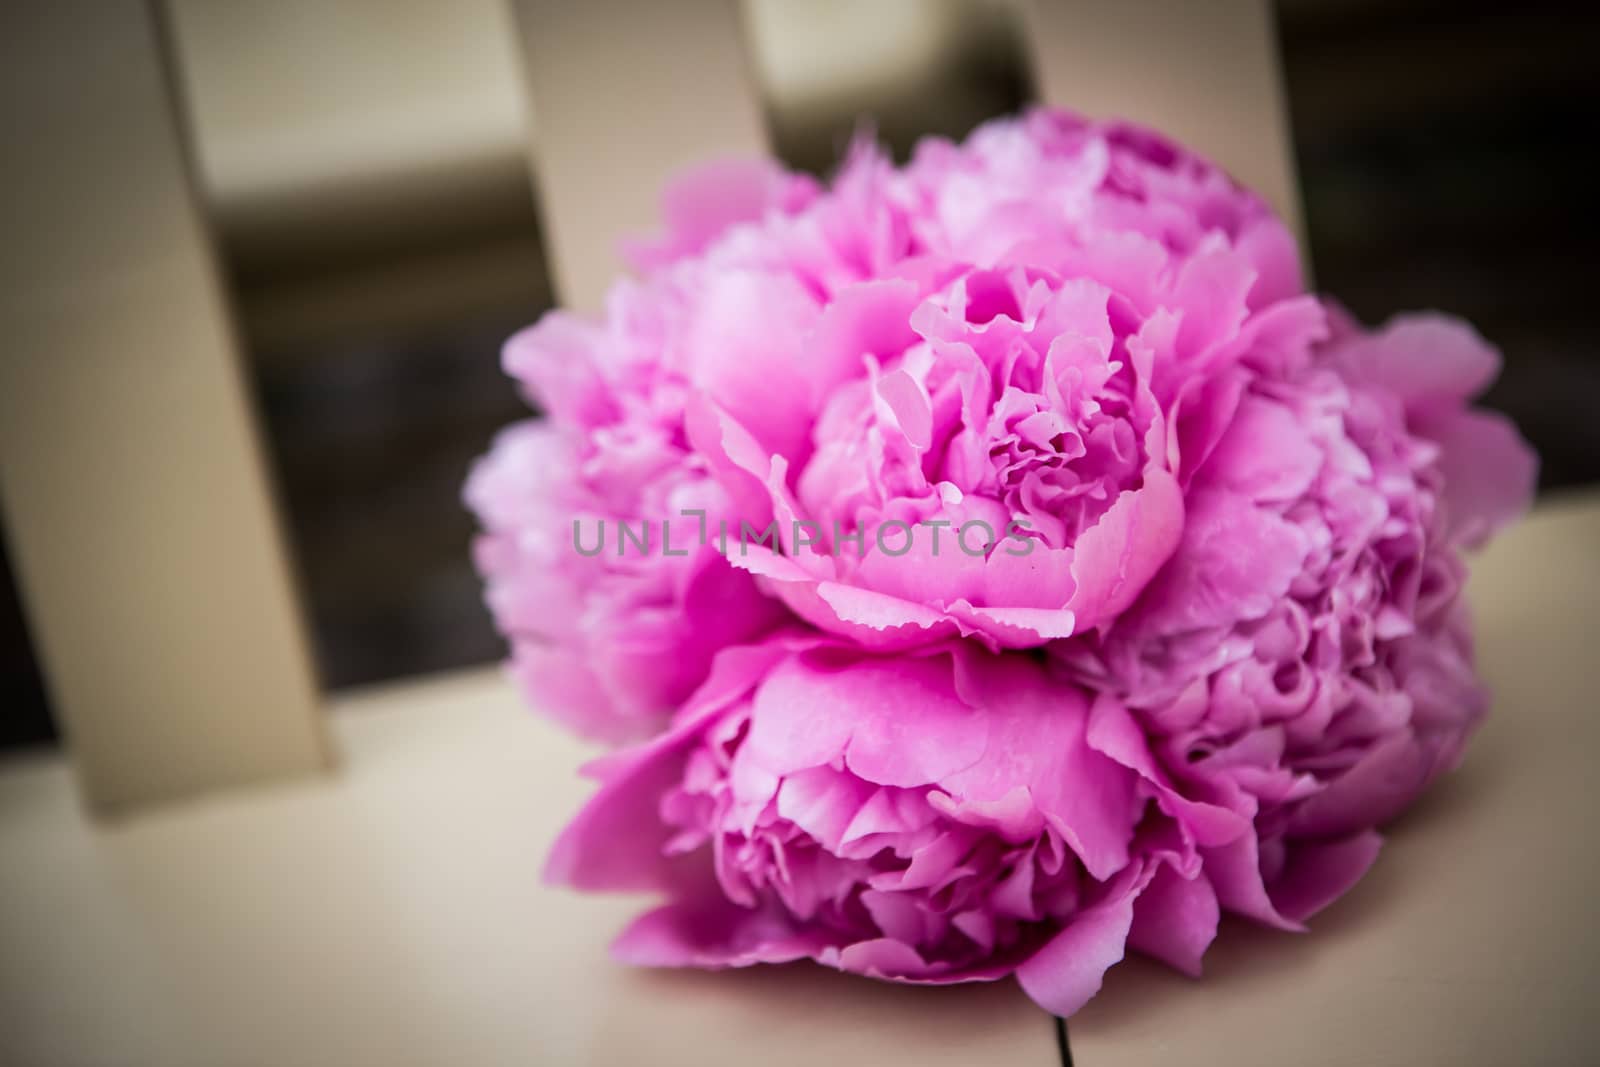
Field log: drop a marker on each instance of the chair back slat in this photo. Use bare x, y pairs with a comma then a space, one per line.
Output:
622, 95
136, 504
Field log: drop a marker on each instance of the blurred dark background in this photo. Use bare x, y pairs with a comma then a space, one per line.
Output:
364, 163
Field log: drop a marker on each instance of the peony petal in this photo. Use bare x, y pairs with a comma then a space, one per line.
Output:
1037, 740
616, 840
558, 360
1265, 455
1212, 289
1422, 358
1235, 562
737, 460
866, 319
1014, 627
909, 403
714, 933
1319, 872
1115, 559
1040, 577
1489, 472
1380, 785
1234, 871
893, 722
1272, 248
702, 202
825, 803
1113, 731
1175, 920
897, 961
896, 619
1068, 970
558, 683
744, 349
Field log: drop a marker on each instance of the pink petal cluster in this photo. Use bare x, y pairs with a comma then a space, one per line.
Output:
1168, 623
940, 816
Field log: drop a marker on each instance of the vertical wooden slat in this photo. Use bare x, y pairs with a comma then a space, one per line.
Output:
133, 487
623, 94
1206, 73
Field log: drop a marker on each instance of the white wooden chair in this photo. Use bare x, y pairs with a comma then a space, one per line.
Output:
143, 531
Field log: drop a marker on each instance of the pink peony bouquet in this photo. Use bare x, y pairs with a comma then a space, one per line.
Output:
997, 563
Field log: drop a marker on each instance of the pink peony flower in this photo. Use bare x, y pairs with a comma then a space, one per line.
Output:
1297, 671
1101, 580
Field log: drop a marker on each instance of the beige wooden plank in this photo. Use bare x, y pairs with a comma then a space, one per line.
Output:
134, 495
1206, 73
1473, 939
624, 94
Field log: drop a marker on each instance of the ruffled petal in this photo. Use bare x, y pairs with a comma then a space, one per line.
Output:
1063, 975
1175, 919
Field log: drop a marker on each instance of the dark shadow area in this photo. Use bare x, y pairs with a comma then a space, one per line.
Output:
26, 718
1445, 157
963, 63
371, 438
